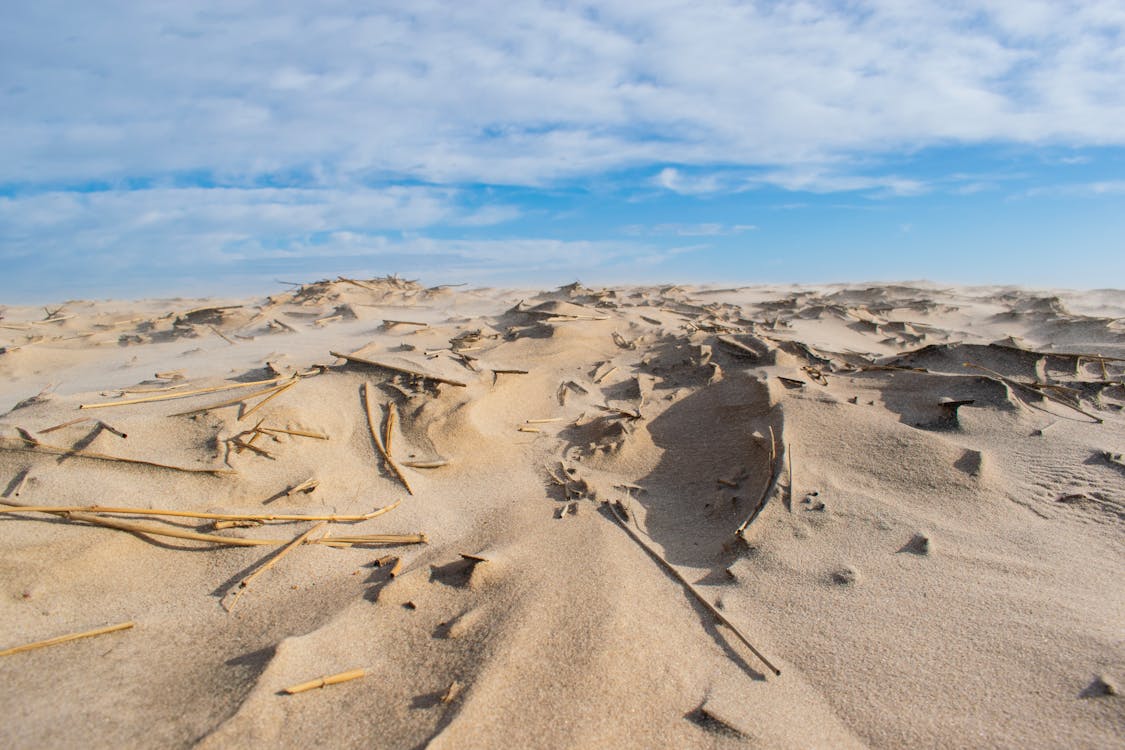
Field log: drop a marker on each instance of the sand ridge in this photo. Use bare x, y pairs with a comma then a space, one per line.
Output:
908, 498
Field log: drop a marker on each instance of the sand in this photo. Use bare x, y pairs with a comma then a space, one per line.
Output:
930, 553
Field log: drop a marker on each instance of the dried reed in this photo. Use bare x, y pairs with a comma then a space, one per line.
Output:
320, 682
66, 638
368, 401
183, 394
689, 587
10, 445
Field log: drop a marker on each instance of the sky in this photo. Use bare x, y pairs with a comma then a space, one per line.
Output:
161, 148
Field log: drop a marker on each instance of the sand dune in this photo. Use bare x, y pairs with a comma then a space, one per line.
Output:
909, 499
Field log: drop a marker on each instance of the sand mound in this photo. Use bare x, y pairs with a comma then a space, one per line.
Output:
574, 518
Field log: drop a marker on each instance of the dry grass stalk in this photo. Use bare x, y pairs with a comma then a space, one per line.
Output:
425, 464
298, 433
329, 319
320, 682
393, 323
21, 482
605, 375
573, 318
80, 420
242, 445
297, 542
397, 368
7, 444
789, 451
221, 335
306, 486
268, 398
183, 394
382, 539
389, 426
394, 561
525, 428
260, 517
163, 389
690, 588
1039, 389
156, 530
474, 558
219, 525
738, 347
282, 324
545, 420
170, 375
368, 402
66, 638
510, 372
231, 401
114, 430
451, 692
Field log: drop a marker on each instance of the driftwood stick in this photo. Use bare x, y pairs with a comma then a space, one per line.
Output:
320, 682
66, 638
297, 542
690, 588
398, 368
183, 394
368, 402
11, 445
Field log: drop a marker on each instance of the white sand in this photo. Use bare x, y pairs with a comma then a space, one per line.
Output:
930, 576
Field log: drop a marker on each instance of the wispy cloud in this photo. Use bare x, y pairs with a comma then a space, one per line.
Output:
1081, 189
263, 129
706, 229
443, 93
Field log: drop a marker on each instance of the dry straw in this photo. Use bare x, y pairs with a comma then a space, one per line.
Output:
691, 589
37, 447
320, 682
368, 402
398, 368
182, 394
66, 638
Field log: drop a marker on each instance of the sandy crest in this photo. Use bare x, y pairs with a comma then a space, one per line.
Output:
929, 480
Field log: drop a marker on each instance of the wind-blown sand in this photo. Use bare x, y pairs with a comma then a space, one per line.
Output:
932, 552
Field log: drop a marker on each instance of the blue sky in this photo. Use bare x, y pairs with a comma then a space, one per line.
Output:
162, 148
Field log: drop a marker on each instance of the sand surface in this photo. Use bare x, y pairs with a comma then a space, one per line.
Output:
928, 481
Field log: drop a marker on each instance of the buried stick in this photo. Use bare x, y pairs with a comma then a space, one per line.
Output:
691, 589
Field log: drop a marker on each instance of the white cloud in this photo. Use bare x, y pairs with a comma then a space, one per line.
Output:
1081, 189
527, 93
207, 223
706, 229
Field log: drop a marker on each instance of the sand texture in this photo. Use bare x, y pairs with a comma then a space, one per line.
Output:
909, 500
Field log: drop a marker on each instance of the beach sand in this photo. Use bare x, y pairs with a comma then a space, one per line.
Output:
909, 499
